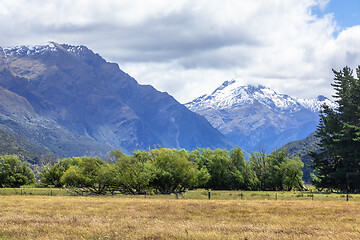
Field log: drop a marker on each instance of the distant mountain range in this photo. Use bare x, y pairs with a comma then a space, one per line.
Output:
256, 117
73, 102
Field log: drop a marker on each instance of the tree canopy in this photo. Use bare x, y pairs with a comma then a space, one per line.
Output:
14, 173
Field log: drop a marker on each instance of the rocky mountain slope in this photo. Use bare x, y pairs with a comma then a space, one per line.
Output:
72, 101
17, 117
258, 117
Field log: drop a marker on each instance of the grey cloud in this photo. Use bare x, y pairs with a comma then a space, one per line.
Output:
171, 37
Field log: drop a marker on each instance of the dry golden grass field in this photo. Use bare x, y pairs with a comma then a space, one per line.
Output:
66, 217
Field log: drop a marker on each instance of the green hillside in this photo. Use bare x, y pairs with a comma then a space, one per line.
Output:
302, 148
13, 144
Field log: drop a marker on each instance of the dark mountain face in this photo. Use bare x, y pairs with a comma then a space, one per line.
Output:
87, 96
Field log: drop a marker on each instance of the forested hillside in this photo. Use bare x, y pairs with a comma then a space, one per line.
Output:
302, 148
13, 144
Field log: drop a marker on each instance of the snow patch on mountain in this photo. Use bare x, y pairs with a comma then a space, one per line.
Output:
29, 50
315, 104
232, 94
79, 51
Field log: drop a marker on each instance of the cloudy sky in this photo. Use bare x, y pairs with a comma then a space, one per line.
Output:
189, 47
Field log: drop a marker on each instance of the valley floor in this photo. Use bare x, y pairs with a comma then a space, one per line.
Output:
66, 217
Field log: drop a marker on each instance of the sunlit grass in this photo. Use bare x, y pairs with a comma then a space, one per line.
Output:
33, 191
58, 217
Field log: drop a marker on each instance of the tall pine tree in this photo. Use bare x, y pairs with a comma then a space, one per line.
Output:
338, 164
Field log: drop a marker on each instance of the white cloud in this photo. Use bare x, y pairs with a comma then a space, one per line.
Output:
188, 48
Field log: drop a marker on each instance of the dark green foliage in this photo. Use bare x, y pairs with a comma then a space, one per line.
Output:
217, 163
14, 173
51, 173
338, 164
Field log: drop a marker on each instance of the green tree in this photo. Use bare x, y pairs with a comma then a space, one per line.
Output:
240, 170
293, 174
260, 165
14, 173
133, 174
88, 175
174, 172
338, 164
285, 173
51, 173
217, 163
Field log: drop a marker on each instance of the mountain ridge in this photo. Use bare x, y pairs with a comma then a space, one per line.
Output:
87, 96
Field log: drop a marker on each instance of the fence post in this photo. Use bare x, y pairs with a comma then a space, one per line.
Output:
21, 191
347, 197
241, 195
275, 196
176, 196
312, 197
209, 195
50, 192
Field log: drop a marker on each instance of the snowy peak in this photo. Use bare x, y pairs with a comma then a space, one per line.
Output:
232, 94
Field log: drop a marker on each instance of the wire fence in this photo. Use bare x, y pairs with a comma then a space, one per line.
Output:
204, 194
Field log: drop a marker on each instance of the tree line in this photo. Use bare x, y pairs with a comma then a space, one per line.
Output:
165, 171
160, 171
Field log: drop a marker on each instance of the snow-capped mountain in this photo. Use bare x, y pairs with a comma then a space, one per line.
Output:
233, 94
256, 116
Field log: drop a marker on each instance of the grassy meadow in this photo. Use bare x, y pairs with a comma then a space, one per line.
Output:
67, 217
